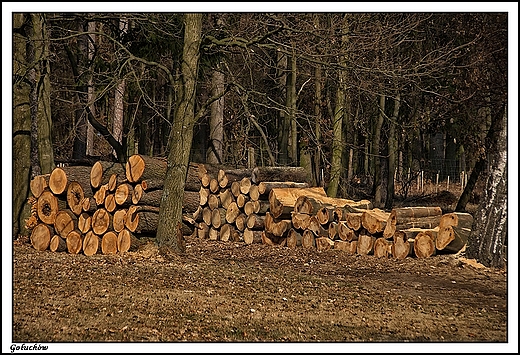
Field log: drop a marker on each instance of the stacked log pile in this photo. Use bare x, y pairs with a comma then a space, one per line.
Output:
108, 207
105, 208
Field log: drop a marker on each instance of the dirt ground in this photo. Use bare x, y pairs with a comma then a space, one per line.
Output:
249, 295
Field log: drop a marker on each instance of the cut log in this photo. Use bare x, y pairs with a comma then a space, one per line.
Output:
255, 221
125, 239
202, 230
137, 194
38, 184
240, 221
407, 214
411, 233
58, 181
213, 186
235, 188
213, 201
110, 202
254, 193
91, 244
58, 244
84, 222
206, 215
365, 244
265, 187
424, 245
218, 217
241, 200
454, 230
74, 242
47, 207
308, 239
109, 243
402, 247
353, 220
341, 245
345, 232
333, 230
324, 243
141, 167
226, 232
294, 238
100, 194
325, 214
382, 248
123, 194
232, 212
65, 222
119, 220
374, 221
226, 197
112, 183
89, 205
100, 221
252, 207
245, 185
41, 236
317, 228
276, 227
300, 220
213, 233
222, 179
205, 180
143, 222
271, 173
252, 236
101, 172
203, 196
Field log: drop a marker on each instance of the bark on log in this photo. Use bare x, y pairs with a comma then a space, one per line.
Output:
294, 174
65, 222
424, 245
365, 244
411, 233
382, 248
345, 233
100, 221
47, 207
141, 167
278, 228
143, 223
454, 230
101, 172
41, 236
109, 243
58, 244
91, 244
265, 187
294, 238
74, 242
407, 214
324, 243
374, 221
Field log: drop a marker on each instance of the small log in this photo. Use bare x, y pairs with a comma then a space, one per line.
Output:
123, 194
119, 219
206, 215
252, 236
213, 186
84, 222
424, 245
75, 196
110, 202
89, 205
74, 242
58, 244
100, 194
91, 244
202, 230
242, 200
205, 180
294, 238
100, 221
324, 243
109, 243
300, 220
226, 232
308, 239
255, 221
38, 184
382, 248
226, 197
125, 240
101, 171
235, 188
333, 230
252, 207
232, 212
58, 181
241, 221
254, 193
218, 217
222, 179
245, 185
203, 196
365, 244
41, 236
65, 222
213, 233
345, 232
374, 221
213, 202
47, 207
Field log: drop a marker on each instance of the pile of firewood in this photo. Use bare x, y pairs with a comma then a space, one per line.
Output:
108, 207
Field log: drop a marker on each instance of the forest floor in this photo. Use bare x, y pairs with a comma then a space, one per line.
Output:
229, 294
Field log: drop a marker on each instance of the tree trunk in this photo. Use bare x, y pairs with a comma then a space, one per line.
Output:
216, 123
392, 153
376, 141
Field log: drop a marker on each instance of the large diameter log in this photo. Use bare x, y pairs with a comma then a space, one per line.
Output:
101, 172
58, 181
382, 248
345, 233
38, 184
100, 221
402, 247
324, 243
424, 245
325, 214
353, 220
58, 244
308, 239
294, 238
109, 243
272, 240
65, 222
295, 174
47, 207
349, 247
374, 221
460, 222
455, 236
407, 214
193, 179
365, 244
300, 220
41, 236
141, 167
276, 227
265, 187
74, 242
91, 244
